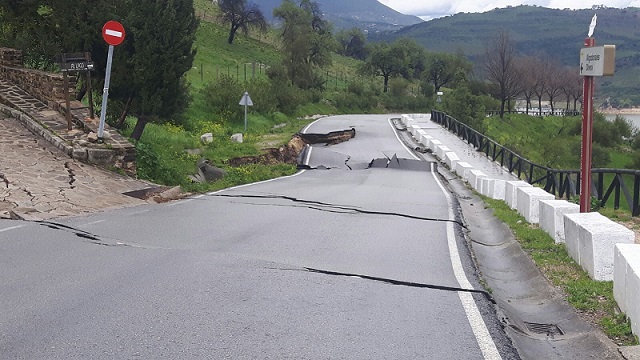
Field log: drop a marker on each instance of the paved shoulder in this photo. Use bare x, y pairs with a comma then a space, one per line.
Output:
37, 181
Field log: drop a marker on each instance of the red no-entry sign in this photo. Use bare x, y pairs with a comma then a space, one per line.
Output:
113, 33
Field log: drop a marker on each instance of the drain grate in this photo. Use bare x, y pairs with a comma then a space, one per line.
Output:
544, 329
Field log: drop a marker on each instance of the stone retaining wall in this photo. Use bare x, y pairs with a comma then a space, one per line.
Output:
44, 86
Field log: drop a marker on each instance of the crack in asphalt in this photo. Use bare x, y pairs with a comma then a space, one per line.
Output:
87, 236
4, 180
404, 283
72, 175
339, 207
346, 162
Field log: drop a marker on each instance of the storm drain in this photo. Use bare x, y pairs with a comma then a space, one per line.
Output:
544, 329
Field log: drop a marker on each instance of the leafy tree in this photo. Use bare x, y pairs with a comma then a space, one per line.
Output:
352, 43
386, 60
160, 59
443, 68
241, 15
461, 104
307, 41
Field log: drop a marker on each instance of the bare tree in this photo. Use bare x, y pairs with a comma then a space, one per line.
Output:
500, 68
241, 16
526, 66
541, 80
555, 82
574, 84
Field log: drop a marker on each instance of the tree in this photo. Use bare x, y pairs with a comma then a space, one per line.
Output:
307, 42
443, 69
385, 61
527, 67
160, 60
241, 15
499, 65
352, 43
555, 82
542, 80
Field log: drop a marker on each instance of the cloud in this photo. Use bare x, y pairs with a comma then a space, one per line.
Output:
437, 8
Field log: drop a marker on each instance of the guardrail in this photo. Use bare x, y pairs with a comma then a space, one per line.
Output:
536, 112
608, 185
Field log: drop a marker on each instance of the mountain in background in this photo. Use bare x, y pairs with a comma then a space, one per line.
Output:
365, 14
537, 30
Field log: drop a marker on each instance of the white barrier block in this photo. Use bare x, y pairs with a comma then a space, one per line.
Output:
511, 192
475, 178
632, 287
493, 188
462, 168
420, 135
484, 185
552, 217
529, 202
498, 190
404, 119
451, 159
441, 150
425, 140
414, 129
433, 144
626, 259
596, 238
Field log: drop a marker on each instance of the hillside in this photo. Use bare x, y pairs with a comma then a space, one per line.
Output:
538, 30
365, 14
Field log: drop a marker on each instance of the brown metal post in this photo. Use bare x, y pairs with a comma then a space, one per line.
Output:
90, 88
65, 85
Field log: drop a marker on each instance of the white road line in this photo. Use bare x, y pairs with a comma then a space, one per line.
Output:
393, 128
11, 228
308, 126
94, 222
478, 326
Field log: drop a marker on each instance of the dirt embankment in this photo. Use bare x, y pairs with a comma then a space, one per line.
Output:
288, 154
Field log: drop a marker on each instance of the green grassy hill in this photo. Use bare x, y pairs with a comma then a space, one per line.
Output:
538, 30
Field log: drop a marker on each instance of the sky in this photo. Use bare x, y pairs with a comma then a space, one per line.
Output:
429, 9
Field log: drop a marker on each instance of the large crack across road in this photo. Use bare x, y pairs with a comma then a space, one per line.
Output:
86, 236
325, 206
404, 283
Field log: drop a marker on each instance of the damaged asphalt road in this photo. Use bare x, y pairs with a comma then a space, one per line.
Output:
383, 270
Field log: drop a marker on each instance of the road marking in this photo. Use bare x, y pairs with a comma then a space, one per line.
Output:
308, 126
393, 128
11, 228
478, 326
308, 157
94, 222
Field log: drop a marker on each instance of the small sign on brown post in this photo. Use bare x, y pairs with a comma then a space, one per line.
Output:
79, 62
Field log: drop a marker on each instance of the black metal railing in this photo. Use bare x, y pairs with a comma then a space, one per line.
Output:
607, 183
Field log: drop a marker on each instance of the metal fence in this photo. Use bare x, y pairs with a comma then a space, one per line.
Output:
609, 185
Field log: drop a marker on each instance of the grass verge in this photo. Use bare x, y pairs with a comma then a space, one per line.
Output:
593, 299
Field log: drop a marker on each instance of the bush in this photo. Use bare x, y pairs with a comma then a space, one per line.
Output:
222, 97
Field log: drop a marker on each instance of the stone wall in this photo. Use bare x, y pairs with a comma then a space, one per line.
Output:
10, 57
44, 86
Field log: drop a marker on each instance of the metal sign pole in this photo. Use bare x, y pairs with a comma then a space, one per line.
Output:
105, 94
587, 138
245, 116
